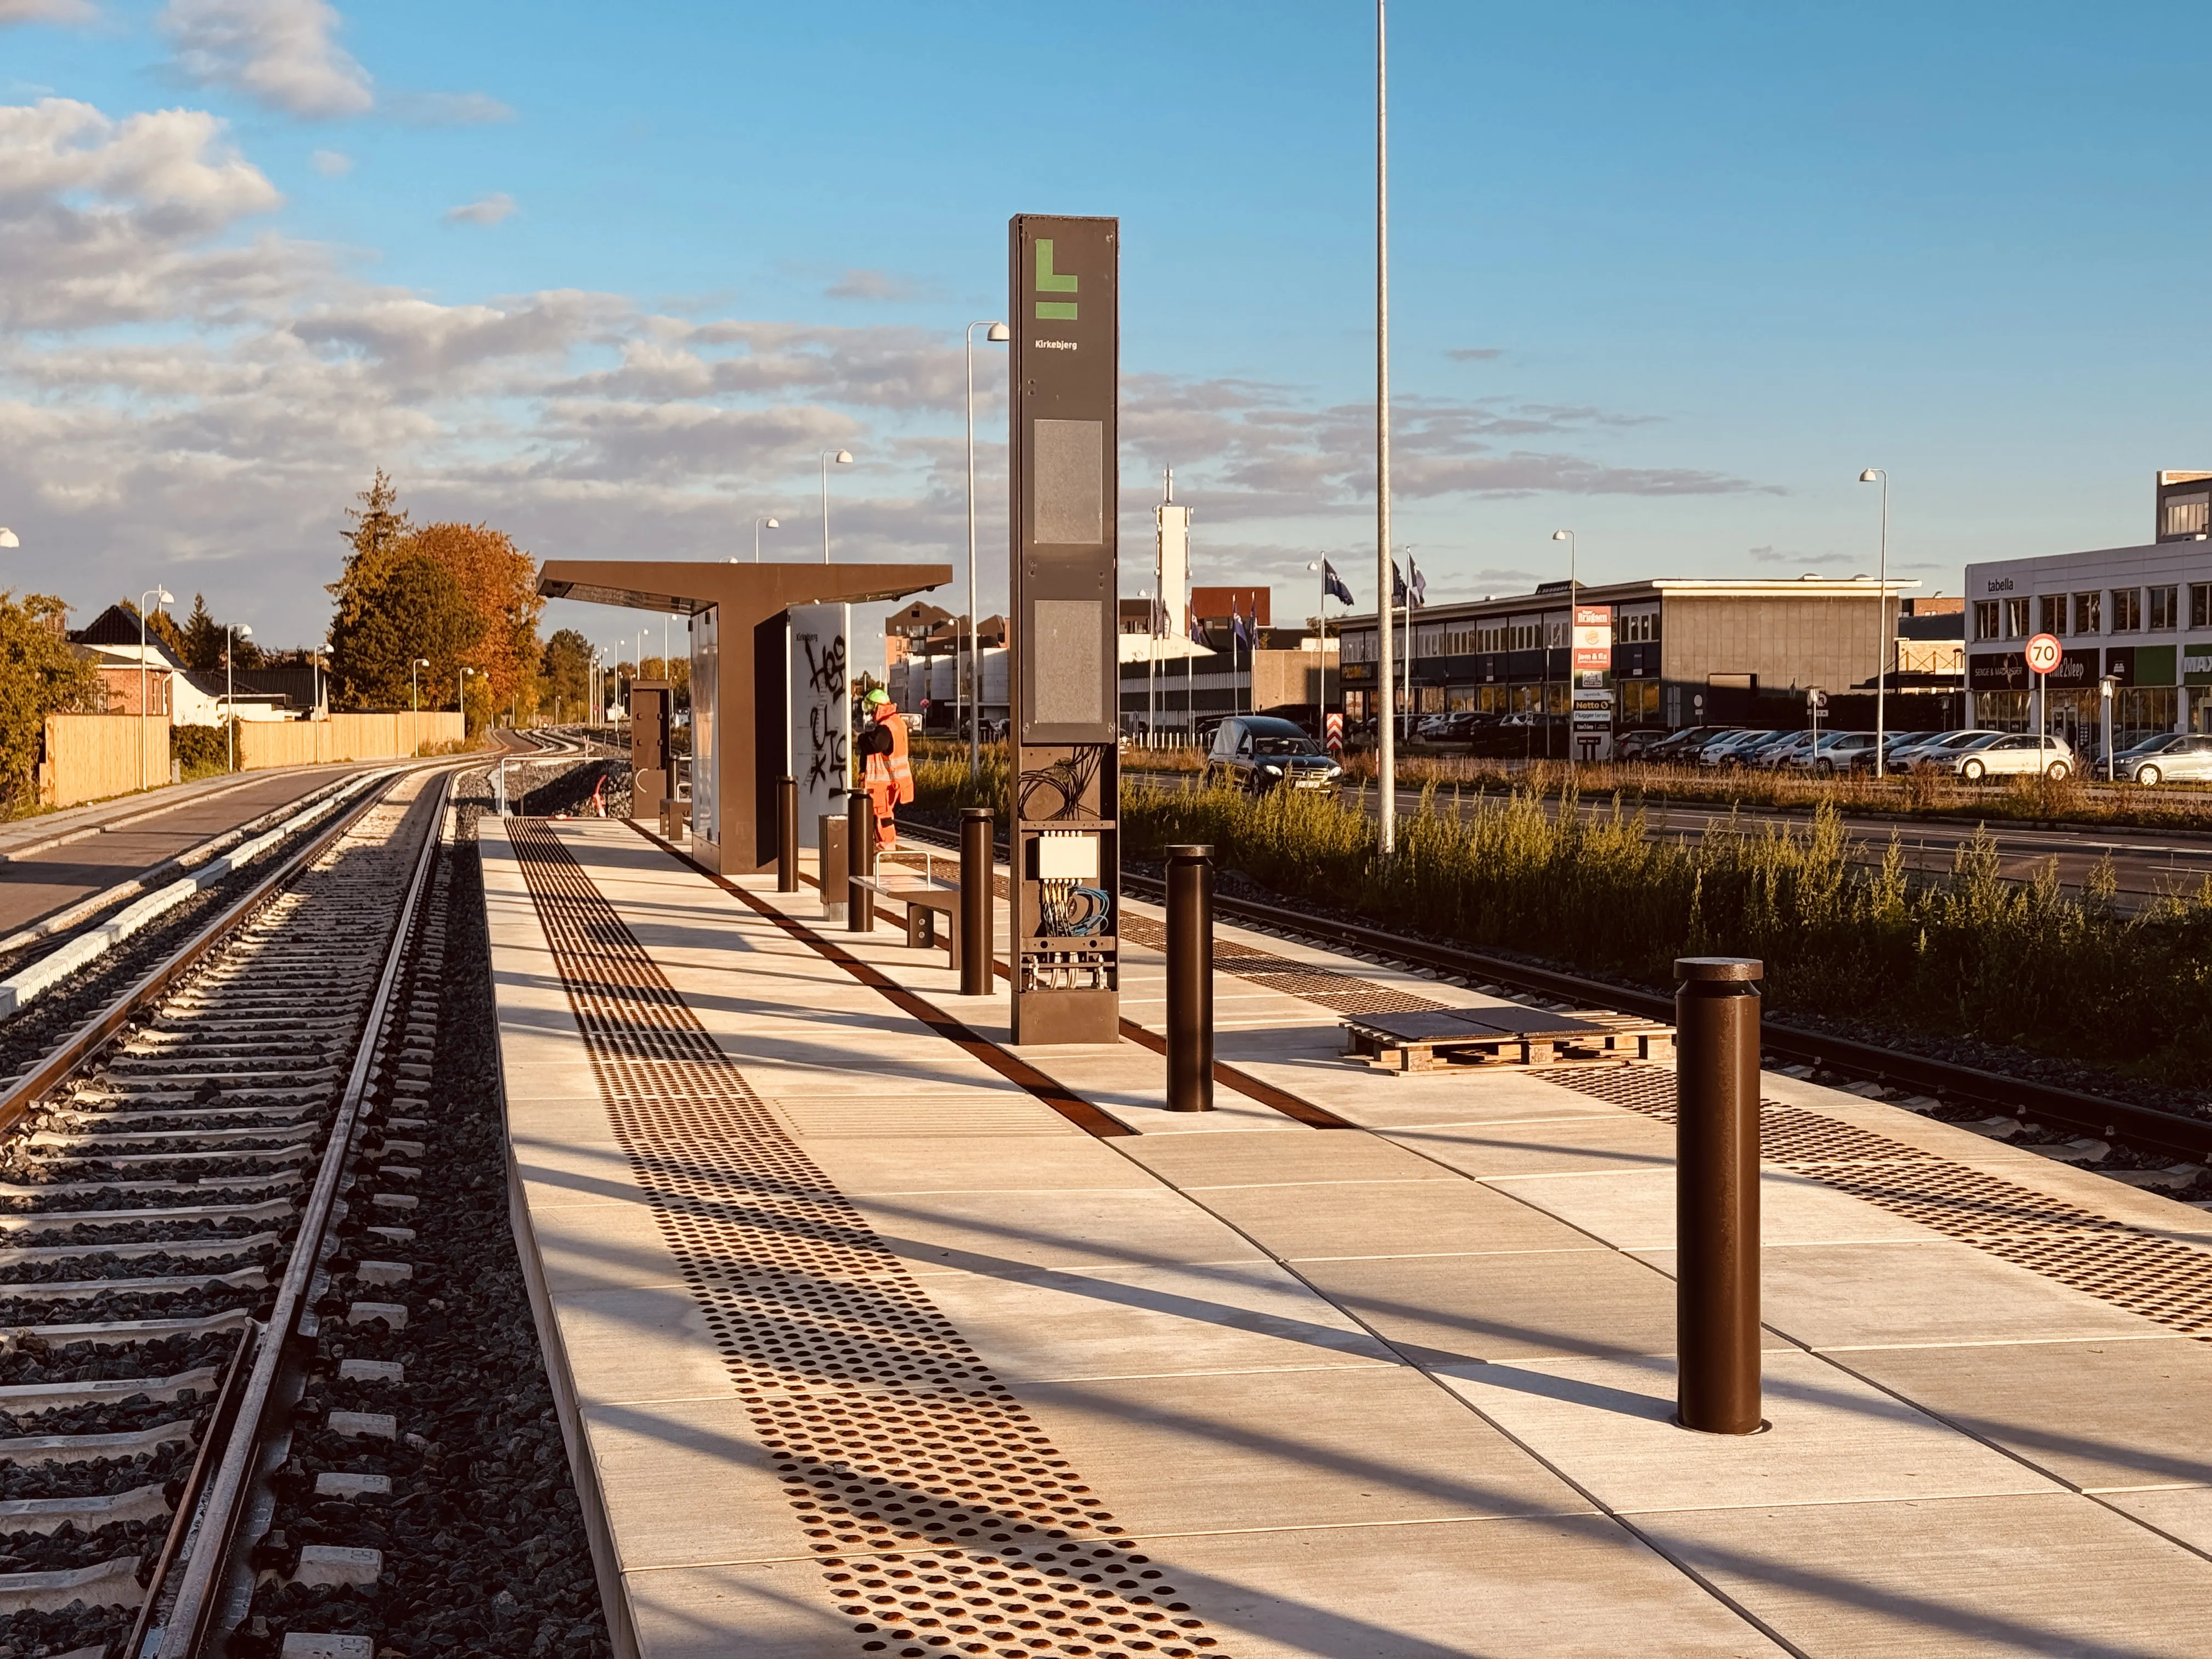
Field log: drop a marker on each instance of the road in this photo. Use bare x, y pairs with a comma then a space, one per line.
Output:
38, 884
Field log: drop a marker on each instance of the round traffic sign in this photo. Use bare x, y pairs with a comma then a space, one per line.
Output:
2044, 653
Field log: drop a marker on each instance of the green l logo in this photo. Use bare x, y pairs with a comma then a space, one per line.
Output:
1050, 281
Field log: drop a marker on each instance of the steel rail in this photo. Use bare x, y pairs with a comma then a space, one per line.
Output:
2004, 1095
86, 1040
186, 1628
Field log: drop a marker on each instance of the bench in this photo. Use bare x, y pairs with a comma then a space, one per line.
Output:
1503, 1037
926, 898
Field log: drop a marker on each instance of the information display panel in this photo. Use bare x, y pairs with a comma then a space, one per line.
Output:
1065, 307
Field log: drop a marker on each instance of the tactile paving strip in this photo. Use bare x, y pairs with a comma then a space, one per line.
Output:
942, 1516
2125, 1266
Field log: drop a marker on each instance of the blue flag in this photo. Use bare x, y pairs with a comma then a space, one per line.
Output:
1334, 585
1197, 629
1237, 621
1420, 582
1397, 585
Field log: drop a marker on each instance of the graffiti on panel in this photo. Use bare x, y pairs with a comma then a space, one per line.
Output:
828, 757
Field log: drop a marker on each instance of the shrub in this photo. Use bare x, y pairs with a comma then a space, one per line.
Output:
199, 750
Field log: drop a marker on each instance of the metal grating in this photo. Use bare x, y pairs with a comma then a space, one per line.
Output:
2125, 1266
941, 1515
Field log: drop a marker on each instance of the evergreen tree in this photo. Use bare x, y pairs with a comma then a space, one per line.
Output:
203, 649
567, 673
409, 609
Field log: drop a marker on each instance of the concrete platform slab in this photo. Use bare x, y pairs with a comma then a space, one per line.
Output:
1193, 1162
1063, 1232
1160, 1321
2103, 1415
1635, 1210
1563, 1146
1608, 1424
1366, 1219
1445, 1311
1988, 1576
916, 1164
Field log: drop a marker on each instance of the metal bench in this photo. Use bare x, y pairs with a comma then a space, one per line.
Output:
926, 896
1528, 1037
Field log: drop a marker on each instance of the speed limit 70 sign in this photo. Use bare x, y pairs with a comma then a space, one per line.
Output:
2044, 653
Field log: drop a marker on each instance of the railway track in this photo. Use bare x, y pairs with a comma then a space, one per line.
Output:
179, 1218
1974, 1091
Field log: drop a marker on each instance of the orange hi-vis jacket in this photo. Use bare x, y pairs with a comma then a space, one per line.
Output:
890, 772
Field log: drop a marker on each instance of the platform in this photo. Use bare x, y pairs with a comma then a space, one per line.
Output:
877, 1337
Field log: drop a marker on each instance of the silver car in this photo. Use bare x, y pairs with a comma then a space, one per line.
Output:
2172, 756
1936, 752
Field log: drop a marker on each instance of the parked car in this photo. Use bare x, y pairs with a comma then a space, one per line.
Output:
2172, 756
1893, 745
1683, 745
1837, 752
1258, 752
1638, 744
1734, 750
2014, 753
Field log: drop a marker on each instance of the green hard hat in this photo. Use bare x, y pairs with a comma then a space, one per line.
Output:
875, 697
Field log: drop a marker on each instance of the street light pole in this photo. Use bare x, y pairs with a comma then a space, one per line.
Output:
415, 683
461, 698
144, 599
229, 685
1386, 756
758, 526
998, 334
843, 458
1886, 631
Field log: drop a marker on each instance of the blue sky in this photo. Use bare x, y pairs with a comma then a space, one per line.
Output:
1668, 275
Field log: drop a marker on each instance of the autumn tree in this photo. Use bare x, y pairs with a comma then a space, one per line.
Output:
39, 675
501, 583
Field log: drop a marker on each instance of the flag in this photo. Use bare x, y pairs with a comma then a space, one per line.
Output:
1334, 585
1397, 585
1197, 629
1237, 621
1420, 582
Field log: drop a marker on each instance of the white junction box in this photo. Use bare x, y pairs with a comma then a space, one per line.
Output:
1063, 855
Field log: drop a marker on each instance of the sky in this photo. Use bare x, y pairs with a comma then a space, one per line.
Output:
611, 277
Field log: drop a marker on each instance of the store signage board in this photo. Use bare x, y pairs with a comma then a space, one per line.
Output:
1592, 639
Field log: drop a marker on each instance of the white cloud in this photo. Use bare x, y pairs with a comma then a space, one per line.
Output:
332, 164
279, 52
883, 286
46, 11
484, 210
448, 109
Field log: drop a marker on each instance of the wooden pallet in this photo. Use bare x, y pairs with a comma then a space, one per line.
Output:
1521, 1039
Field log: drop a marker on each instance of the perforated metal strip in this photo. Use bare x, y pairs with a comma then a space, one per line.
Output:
943, 1517
2125, 1266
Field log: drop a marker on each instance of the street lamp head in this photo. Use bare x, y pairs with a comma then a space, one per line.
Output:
422, 662
7, 538
998, 334
771, 524
167, 597
1872, 475
1313, 564
244, 630
1562, 535
843, 458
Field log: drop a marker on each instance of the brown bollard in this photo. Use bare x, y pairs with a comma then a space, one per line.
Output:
860, 852
787, 835
829, 867
977, 956
1190, 979
1717, 1192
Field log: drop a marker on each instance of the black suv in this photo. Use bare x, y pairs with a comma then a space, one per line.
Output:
1258, 752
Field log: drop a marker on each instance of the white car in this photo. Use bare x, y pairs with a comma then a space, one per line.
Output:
2174, 754
2017, 753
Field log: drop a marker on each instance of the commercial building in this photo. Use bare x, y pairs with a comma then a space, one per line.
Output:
2140, 616
1678, 652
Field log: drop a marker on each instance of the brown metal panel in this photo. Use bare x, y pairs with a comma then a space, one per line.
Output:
1063, 681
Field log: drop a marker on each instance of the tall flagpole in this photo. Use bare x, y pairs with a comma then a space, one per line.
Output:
1386, 722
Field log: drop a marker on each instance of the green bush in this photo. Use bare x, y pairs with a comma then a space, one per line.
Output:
199, 750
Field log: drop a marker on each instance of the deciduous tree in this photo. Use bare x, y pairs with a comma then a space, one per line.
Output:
39, 675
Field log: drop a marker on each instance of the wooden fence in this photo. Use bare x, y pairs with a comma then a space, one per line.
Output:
265, 744
91, 756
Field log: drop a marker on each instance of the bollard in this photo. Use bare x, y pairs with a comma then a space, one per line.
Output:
1190, 979
976, 955
787, 835
860, 852
1716, 1194
829, 867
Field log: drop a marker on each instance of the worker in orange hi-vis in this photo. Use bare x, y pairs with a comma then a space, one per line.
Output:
884, 773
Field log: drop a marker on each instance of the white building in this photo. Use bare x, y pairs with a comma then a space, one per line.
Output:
2141, 615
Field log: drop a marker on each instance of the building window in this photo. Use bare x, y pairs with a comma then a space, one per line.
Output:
1639, 628
2088, 613
2052, 610
1985, 619
1555, 633
1356, 647
1489, 636
2127, 610
2200, 604
2162, 610
2015, 619
2187, 515
1521, 633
